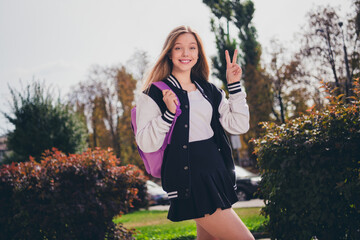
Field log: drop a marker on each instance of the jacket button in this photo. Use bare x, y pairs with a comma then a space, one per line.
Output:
184, 147
186, 195
186, 168
186, 125
219, 149
186, 106
187, 190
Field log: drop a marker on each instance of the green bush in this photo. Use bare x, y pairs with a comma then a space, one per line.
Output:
311, 173
67, 197
41, 122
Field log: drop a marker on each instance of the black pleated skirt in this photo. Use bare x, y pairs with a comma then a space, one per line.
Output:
211, 186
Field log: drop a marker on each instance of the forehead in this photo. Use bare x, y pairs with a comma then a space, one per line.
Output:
186, 38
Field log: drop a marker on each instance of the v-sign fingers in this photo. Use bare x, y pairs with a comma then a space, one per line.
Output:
227, 56
235, 56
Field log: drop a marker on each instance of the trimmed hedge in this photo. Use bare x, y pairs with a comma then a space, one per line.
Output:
311, 173
68, 197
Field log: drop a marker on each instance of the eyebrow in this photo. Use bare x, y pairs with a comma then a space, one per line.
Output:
190, 43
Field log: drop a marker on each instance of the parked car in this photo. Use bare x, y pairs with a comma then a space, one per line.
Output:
247, 183
157, 196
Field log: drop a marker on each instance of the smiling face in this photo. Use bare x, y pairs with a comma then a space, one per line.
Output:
185, 53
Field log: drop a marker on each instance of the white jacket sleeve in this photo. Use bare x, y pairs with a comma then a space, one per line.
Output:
152, 126
234, 112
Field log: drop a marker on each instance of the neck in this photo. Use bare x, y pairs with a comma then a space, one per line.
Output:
182, 77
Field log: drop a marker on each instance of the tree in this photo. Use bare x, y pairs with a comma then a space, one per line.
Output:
126, 85
331, 51
85, 101
223, 12
137, 64
357, 17
223, 43
42, 122
105, 100
239, 16
98, 101
100, 136
288, 88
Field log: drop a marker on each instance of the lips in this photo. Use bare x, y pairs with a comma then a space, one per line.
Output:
184, 61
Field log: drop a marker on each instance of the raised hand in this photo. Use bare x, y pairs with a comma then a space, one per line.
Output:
233, 70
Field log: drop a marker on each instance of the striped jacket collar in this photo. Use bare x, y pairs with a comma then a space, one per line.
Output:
172, 79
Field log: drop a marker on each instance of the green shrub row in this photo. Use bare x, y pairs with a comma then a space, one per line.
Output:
72, 196
311, 173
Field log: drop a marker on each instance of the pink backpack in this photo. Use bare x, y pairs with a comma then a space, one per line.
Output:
153, 160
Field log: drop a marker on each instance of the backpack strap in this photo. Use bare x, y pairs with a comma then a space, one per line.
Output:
163, 86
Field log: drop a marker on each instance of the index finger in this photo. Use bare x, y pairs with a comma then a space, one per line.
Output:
227, 56
235, 56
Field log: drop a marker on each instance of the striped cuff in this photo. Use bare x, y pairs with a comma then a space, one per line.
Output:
168, 116
234, 87
172, 194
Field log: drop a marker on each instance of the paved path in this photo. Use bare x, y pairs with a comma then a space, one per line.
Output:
241, 204
250, 203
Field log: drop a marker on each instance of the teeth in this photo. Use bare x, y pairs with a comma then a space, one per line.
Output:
185, 61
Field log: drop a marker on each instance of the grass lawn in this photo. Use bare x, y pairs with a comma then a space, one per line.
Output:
155, 225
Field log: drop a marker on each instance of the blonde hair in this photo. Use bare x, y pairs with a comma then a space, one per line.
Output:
163, 65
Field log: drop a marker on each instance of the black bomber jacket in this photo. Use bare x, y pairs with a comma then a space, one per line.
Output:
176, 156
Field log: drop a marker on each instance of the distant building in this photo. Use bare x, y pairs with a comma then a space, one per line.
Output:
3, 147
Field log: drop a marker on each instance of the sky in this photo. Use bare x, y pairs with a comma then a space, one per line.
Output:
58, 41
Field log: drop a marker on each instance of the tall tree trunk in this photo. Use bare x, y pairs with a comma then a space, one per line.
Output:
281, 107
94, 131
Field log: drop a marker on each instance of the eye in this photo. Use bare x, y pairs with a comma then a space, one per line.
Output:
177, 48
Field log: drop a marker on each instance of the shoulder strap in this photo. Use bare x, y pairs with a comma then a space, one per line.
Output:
163, 86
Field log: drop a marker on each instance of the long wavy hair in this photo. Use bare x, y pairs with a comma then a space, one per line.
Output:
163, 65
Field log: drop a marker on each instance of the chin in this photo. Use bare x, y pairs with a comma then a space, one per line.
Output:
183, 69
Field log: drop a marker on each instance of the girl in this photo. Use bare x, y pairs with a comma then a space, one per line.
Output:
198, 169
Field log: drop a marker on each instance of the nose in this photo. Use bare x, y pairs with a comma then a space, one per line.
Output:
185, 52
